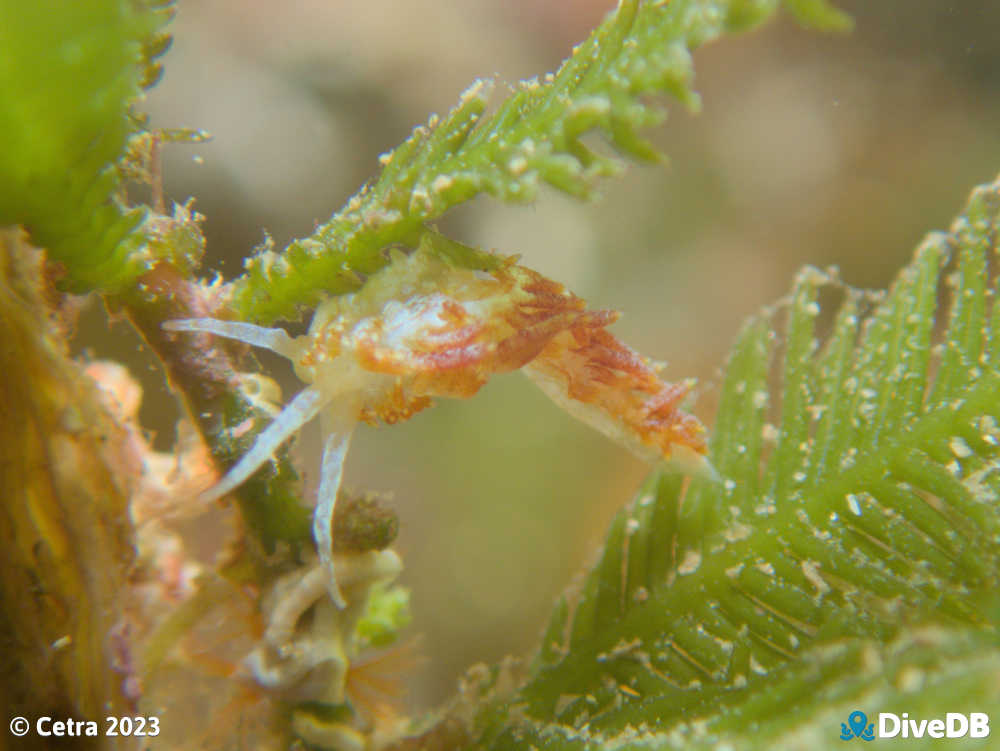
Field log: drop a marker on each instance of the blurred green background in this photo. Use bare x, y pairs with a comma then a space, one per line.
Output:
822, 149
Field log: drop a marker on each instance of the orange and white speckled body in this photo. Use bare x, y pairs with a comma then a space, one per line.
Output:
423, 328
430, 329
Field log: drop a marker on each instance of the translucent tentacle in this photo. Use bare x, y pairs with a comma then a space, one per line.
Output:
276, 340
338, 427
304, 407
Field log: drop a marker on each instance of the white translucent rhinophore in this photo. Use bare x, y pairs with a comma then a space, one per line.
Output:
276, 340
304, 407
338, 426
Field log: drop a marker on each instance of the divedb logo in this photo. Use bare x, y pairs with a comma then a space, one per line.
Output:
889, 725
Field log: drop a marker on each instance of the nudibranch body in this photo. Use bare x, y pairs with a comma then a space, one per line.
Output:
424, 328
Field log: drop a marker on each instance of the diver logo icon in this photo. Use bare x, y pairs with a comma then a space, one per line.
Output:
857, 727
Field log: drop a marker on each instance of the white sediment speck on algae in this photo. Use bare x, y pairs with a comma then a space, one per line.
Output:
991, 434
810, 569
959, 448
765, 567
690, 564
736, 532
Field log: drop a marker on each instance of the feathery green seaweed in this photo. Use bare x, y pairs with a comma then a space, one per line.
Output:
535, 136
69, 74
846, 558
